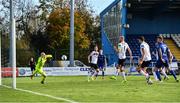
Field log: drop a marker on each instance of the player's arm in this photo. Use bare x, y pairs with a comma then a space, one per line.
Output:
130, 53
170, 56
89, 56
143, 55
116, 49
105, 62
48, 56
160, 54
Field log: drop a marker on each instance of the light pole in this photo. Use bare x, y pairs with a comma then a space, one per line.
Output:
72, 34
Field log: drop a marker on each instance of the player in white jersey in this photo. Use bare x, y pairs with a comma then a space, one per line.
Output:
145, 59
121, 50
93, 59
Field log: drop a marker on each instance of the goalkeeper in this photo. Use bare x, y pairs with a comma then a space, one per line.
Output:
39, 66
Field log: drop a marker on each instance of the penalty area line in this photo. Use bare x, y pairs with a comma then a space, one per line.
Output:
41, 94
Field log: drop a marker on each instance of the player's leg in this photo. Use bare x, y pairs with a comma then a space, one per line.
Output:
141, 69
43, 74
97, 70
154, 74
123, 70
35, 72
144, 66
171, 71
123, 74
90, 72
94, 76
163, 71
158, 66
102, 69
32, 70
118, 68
116, 72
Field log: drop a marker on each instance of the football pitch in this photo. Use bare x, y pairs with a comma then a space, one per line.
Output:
77, 89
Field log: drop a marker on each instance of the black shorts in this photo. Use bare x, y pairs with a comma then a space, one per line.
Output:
121, 62
145, 64
94, 66
160, 63
32, 68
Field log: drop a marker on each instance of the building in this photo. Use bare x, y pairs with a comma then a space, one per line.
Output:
132, 18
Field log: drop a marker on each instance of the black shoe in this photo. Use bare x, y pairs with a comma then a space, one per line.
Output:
31, 76
149, 82
166, 78
42, 82
177, 80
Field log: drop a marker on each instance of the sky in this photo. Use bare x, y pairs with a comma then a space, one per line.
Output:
99, 5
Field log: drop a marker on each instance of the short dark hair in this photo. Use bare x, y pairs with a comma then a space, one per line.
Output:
141, 38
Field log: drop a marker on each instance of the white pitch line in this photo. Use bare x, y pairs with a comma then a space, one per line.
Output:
41, 94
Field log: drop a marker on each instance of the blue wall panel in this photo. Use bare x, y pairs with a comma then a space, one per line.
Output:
160, 24
108, 50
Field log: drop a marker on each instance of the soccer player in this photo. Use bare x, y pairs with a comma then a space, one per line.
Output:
32, 64
101, 62
39, 66
145, 59
163, 69
164, 58
121, 50
92, 59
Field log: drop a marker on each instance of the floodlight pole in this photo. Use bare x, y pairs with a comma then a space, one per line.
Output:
12, 44
124, 17
0, 60
72, 34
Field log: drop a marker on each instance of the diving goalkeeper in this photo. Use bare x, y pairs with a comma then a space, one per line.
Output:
39, 66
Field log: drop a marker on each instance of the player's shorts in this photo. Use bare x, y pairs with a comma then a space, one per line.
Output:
121, 62
40, 71
101, 67
94, 66
145, 64
32, 68
160, 64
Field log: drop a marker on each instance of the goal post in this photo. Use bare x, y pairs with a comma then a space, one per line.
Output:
13, 51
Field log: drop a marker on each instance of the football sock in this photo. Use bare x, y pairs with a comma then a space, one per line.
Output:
164, 73
103, 73
155, 76
158, 75
124, 75
174, 74
117, 73
96, 73
143, 73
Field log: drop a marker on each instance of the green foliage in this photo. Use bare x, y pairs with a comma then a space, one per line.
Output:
58, 31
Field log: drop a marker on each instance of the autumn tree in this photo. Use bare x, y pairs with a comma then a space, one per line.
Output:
58, 31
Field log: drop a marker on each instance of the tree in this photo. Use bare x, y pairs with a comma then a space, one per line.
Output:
58, 31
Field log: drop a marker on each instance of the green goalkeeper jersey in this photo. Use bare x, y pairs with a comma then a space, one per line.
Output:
41, 61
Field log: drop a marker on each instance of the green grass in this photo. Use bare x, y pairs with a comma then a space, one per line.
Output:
79, 90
